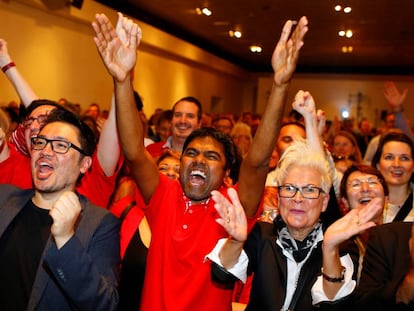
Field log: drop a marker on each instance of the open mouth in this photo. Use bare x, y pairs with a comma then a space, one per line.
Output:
397, 172
44, 169
197, 177
365, 201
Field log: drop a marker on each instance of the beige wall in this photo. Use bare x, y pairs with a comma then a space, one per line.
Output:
54, 50
333, 93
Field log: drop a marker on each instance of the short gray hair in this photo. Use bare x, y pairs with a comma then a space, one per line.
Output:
301, 154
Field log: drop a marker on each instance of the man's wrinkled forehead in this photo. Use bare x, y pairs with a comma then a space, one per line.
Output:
207, 144
41, 110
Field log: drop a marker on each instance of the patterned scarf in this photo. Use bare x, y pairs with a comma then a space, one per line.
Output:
298, 249
17, 138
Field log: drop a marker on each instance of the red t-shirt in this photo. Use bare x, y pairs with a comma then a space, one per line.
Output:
157, 149
178, 277
15, 169
132, 218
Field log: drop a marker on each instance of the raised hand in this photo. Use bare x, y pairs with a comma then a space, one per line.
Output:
394, 97
321, 118
118, 48
286, 53
304, 104
65, 213
354, 222
232, 215
4, 53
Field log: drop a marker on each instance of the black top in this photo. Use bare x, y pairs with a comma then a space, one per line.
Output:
132, 274
386, 262
21, 248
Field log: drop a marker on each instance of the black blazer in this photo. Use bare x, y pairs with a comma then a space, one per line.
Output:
82, 275
269, 266
386, 262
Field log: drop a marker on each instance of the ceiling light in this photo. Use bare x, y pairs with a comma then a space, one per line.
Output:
205, 11
338, 8
347, 49
346, 33
235, 34
255, 49
347, 9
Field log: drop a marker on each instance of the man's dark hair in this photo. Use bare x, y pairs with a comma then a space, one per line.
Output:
193, 100
365, 169
298, 124
230, 153
37, 103
86, 136
138, 101
164, 115
293, 114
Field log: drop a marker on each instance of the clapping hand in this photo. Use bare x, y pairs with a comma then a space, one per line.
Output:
232, 215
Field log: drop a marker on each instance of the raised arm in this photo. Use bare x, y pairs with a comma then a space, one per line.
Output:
119, 56
108, 150
21, 86
314, 121
305, 105
254, 167
395, 100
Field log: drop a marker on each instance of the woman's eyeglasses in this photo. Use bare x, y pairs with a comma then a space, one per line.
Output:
308, 192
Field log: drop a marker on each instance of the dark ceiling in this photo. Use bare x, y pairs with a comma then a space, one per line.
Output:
382, 41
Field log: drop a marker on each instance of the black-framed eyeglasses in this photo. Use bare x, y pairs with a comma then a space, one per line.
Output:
372, 182
58, 145
40, 119
308, 192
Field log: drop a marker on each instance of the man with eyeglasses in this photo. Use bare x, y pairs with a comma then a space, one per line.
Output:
297, 263
98, 183
57, 250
